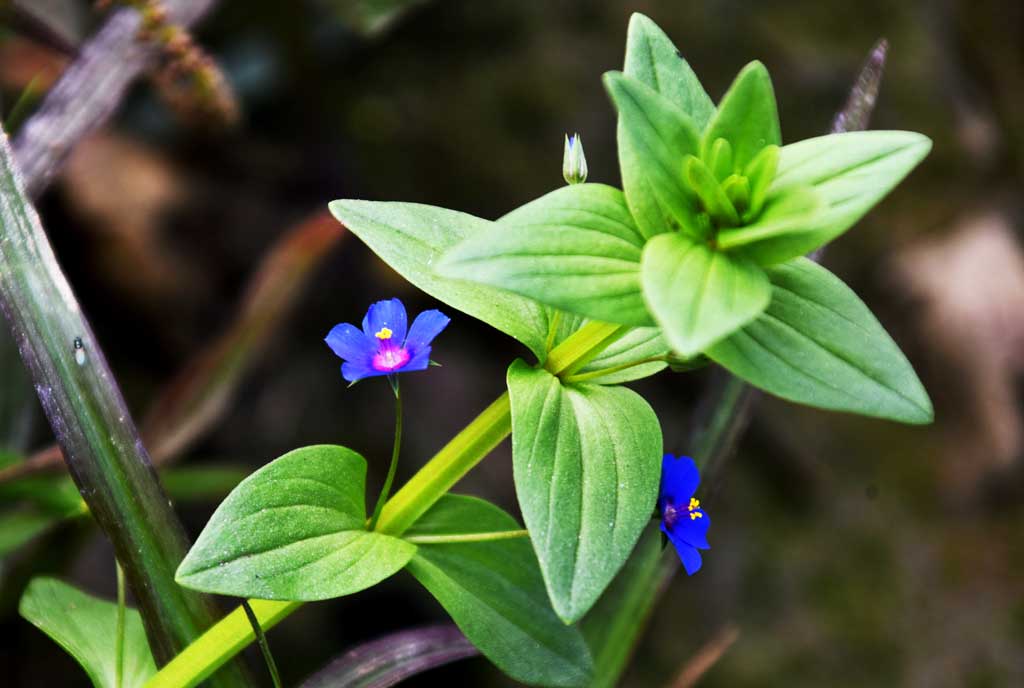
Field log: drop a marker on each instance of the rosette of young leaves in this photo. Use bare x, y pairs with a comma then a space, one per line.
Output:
295, 530
494, 592
711, 202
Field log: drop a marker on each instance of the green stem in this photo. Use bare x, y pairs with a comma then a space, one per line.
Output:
232, 633
440, 474
119, 638
390, 479
466, 537
261, 640
582, 347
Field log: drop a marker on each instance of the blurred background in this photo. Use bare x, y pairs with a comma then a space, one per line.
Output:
847, 551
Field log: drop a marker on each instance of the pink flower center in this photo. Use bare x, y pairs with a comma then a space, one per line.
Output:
390, 357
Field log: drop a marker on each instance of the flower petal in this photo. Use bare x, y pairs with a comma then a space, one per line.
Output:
425, 327
687, 554
679, 479
389, 314
693, 531
349, 342
420, 360
354, 371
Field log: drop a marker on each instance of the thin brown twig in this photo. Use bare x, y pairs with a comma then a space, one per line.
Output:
706, 657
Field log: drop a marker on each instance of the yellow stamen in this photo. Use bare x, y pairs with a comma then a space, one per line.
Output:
384, 333
694, 503
694, 515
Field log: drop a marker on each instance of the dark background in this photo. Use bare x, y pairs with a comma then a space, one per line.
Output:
847, 551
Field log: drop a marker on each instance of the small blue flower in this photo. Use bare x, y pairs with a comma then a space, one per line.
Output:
682, 519
383, 346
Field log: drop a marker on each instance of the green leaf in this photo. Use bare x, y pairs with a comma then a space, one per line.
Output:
295, 530
494, 592
411, 238
818, 344
587, 460
576, 249
652, 59
654, 137
637, 344
613, 626
18, 528
747, 117
851, 172
201, 483
86, 627
789, 212
697, 294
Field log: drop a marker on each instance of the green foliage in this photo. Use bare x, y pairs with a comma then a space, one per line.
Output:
652, 59
700, 295
655, 137
789, 211
411, 239
575, 248
747, 117
638, 344
851, 172
295, 530
20, 527
86, 627
494, 592
818, 344
587, 460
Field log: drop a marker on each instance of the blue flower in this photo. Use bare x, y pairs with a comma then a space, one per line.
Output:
383, 346
682, 519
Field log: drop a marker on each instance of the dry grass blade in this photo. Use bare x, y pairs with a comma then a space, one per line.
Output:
389, 660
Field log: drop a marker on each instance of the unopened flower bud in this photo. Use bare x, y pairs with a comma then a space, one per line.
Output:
574, 162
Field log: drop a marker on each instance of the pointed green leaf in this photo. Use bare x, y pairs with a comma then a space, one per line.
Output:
652, 59
587, 460
638, 344
411, 239
712, 195
818, 344
295, 530
760, 172
86, 627
654, 137
851, 172
699, 295
789, 212
747, 117
494, 592
576, 249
